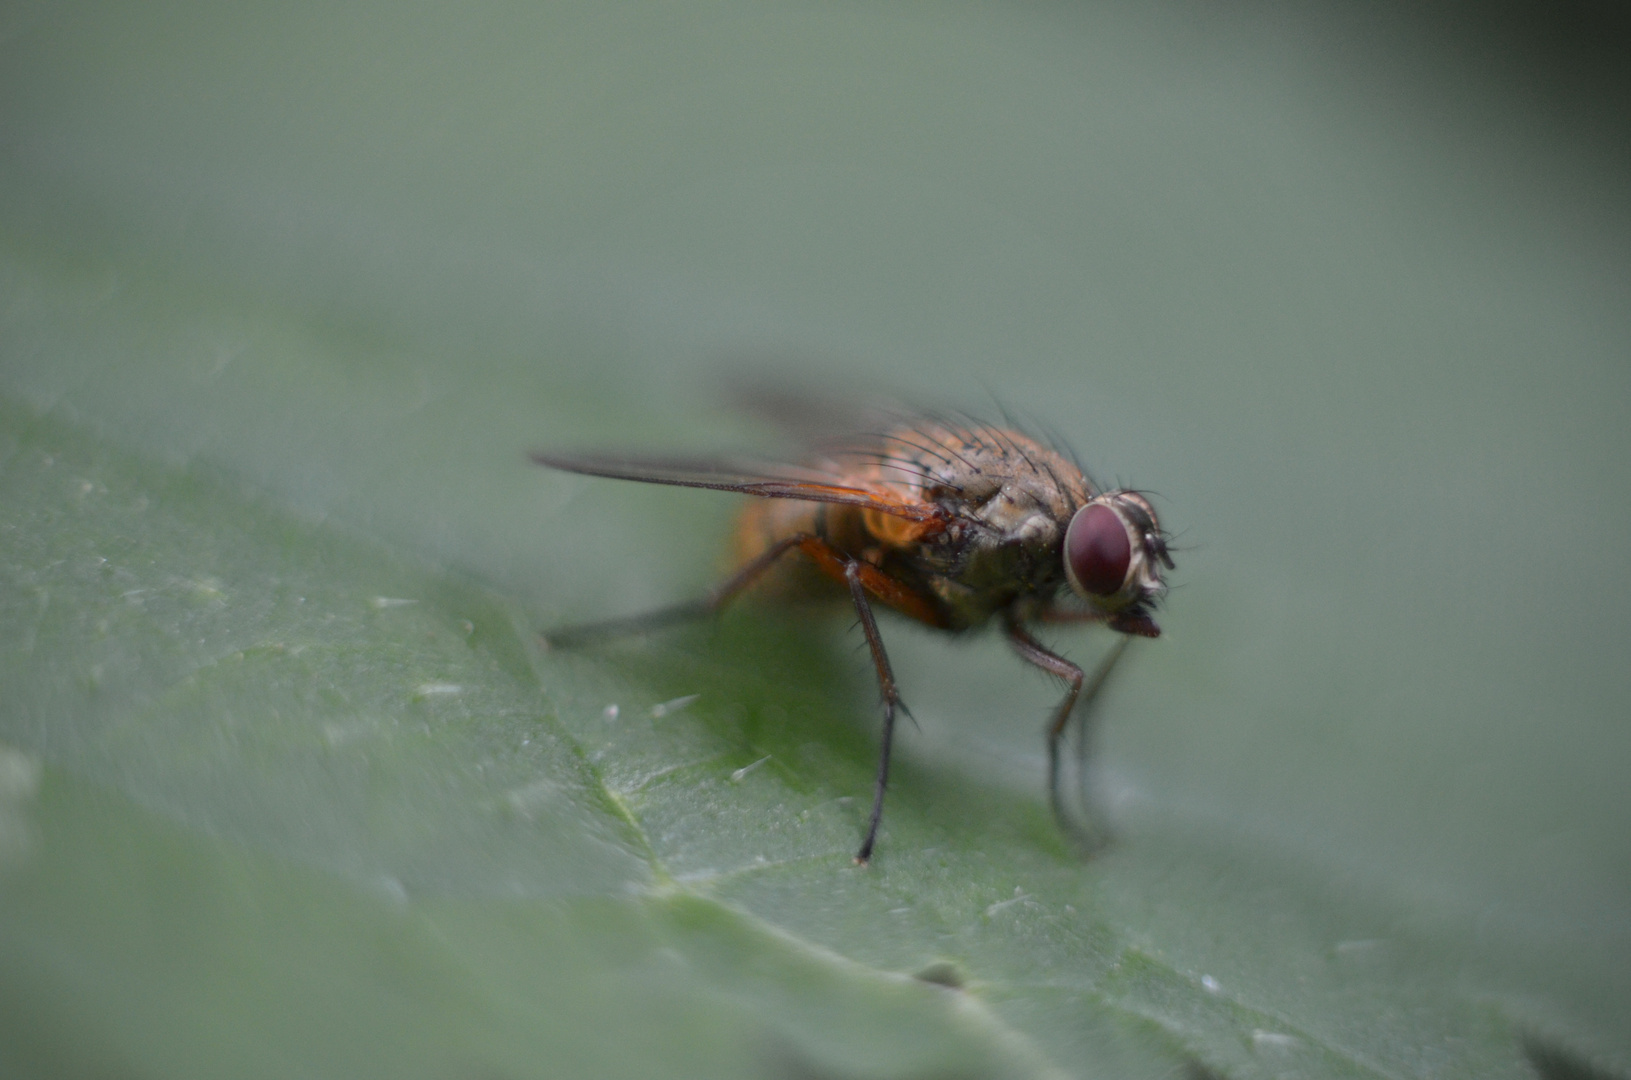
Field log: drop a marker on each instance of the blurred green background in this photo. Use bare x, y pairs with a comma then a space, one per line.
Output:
287, 291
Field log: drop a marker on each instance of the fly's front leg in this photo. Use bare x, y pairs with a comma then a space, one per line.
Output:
716, 598
1084, 716
1033, 652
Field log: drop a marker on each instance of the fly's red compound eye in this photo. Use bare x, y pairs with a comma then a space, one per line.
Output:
1097, 550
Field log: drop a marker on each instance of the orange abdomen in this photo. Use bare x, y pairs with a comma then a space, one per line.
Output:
841, 535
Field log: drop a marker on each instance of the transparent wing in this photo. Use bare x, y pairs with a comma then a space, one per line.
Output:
770, 480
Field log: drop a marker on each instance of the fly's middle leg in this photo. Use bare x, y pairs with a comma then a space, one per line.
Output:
854, 577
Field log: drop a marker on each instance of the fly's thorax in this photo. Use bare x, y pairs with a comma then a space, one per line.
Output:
1008, 501
986, 561
1019, 526
1019, 515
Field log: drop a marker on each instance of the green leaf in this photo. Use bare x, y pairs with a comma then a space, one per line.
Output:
288, 786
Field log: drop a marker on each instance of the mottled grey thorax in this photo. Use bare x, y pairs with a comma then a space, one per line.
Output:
1005, 549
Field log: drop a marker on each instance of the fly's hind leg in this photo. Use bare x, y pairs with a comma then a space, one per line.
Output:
1079, 689
567, 637
861, 578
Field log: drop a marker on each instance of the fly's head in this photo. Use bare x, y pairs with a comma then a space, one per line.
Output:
1114, 552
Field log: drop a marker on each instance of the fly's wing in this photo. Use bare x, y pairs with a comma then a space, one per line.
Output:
764, 479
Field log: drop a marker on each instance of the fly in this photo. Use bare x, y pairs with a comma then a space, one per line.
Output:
954, 524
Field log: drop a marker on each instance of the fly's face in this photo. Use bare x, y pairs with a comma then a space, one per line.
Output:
1114, 551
